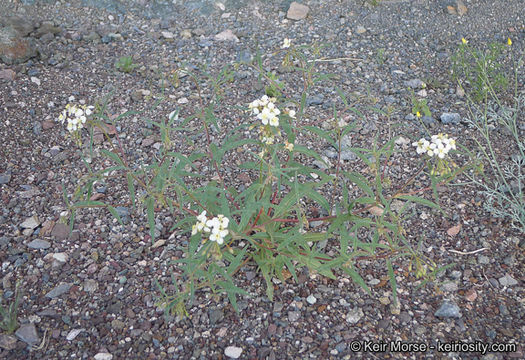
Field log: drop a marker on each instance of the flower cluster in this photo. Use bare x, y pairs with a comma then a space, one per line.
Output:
76, 116
438, 148
286, 43
266, 110
217, 227
439, 145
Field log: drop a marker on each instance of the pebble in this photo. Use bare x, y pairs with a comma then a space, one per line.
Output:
354, 315
233, 352
60, 231
103, 356
450, 286
216, 316
73, 334
39, 244
297, 11
507, 280
7, 342
450, 118
415, 84
448, 310
35, 80
360, 29
5, 178
226, 35
59, 290
30, 223
61, 257
90, 285
311, 299
294, 315
27, 333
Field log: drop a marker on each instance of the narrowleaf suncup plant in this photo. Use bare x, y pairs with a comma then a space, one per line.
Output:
221, 229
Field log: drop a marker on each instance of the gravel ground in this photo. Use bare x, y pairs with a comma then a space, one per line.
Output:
91, 294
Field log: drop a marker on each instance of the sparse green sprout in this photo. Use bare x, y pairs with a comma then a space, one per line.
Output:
9, 322
125, 64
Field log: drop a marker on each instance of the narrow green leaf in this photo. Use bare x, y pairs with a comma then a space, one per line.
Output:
115, 214
112, 156
150, 204
360, 181
419, 200
131, 188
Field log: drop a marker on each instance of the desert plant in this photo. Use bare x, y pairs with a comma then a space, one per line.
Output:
268, 223
9, 314
125, 64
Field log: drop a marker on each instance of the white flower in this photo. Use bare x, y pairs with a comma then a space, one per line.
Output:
173, 115
202, 217
291, 113
286, 43
265, 115
422, 145
274, 121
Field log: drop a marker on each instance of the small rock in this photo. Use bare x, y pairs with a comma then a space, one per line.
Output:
507, 280
117, 324
103, 356
450, 118
297, 11
167, 35
226, 35
59, 290
73, 334
216, 316
450, 286
39, 244
415, 84
294, 316
448, 310
233, 352
5, 178
15, 49
360, 29
461, 8
35, 80
61, 257
7, 74
158, 243
428, 120
7, 342
185, 34
471, 295
354, 315
311, 299
60, 231
30, 223
27, 333
90, 285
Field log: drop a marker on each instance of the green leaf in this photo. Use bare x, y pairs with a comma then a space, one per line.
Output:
393, 283
115, 214
357, 278
419, 200
150, 205
323, 134
360, 181
112, 156
131, 188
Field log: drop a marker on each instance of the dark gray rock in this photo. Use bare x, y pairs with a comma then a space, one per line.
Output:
5, 178
448, 310
216, 316
59, 290
39, 244
28, 334
450, 118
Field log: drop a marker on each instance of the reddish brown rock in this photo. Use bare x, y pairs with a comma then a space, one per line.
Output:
15, 49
